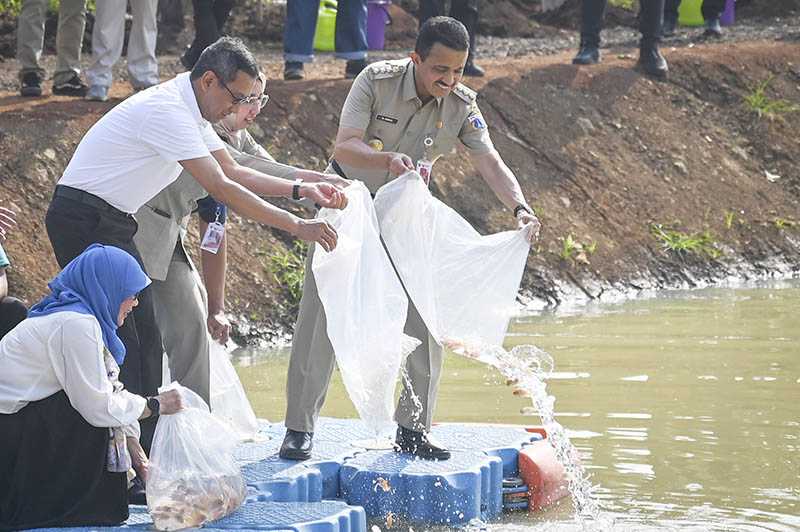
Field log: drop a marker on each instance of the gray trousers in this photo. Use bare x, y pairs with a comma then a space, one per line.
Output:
312, 362
69, 38
180, 308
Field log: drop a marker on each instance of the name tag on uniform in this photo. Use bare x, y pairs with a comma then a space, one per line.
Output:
212, 240
384, 118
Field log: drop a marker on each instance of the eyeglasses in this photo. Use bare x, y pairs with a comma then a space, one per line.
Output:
260, 99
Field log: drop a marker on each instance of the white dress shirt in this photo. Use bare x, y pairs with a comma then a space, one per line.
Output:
64, 351
132, 152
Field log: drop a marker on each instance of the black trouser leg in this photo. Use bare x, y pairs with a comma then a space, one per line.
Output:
592, 14
72, 226
466, 12
222, 9
205, 30
12, 311
712, 9
651, 16
671, 8
430, 8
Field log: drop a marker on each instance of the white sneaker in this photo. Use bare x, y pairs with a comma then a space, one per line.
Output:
97, 93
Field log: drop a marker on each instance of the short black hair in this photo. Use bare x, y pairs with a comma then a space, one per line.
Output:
226, 58
446, 31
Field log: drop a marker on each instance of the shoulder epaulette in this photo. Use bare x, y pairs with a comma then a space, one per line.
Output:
386, 69
465, 93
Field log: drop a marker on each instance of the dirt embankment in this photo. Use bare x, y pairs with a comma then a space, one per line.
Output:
605, 155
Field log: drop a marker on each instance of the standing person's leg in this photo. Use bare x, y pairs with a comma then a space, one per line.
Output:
205, 31
180, 308
30, 40
222, 9
414, 413
69, 41
351, 35
592, 14
108, 35
712, 11
651, 16
466, 12
430, 8
142, 62
670, 17
298, 36
310, 369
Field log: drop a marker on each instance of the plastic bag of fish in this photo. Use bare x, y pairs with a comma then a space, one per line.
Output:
193, 478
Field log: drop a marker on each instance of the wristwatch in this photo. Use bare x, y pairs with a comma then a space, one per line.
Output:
154, 406
296, 190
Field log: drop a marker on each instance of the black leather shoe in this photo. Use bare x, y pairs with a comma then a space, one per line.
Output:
297, 445
293, 71
419, 444
652, 63
473, 70
587, 55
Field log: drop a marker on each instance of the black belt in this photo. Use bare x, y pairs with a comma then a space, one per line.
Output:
81, 196
338, 169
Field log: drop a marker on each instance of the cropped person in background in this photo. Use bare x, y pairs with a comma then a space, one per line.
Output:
350, 40
108, 36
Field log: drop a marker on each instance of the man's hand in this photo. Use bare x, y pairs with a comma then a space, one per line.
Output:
324, 194
138, 458
312, 176
170, 402
400, 163
219, 327
7, 221
525, 218
319, 231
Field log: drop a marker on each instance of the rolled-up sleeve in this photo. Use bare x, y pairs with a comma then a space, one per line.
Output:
76, 353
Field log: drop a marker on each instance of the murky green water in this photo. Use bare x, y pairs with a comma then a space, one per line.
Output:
686, 408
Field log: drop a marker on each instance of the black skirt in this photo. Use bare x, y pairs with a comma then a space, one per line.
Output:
53, 469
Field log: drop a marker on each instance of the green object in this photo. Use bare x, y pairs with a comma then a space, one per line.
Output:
325, 35
3, 258
689, 13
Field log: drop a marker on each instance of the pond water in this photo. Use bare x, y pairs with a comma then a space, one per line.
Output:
685, 407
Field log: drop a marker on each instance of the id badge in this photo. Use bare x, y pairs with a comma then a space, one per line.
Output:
424, 169
212, 240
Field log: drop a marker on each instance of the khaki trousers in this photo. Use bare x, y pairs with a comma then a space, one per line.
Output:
180, 308
312, 362
69, 38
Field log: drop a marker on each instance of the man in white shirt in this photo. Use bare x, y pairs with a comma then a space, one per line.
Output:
140, 147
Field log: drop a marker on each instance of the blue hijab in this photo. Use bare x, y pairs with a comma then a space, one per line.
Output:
96, 282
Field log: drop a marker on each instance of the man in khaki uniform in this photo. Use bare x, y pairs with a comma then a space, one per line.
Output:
398, 114
69, 39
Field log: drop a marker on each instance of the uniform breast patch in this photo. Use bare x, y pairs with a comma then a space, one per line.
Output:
384, 118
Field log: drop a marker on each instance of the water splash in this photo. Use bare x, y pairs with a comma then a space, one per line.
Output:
526, 367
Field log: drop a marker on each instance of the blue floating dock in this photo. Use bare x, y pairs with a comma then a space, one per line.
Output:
342, 485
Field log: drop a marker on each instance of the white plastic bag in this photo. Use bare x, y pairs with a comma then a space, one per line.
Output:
365, 307
463, 284
192, 476
228, 399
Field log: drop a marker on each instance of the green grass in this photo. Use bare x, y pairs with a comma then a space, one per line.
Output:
729, 217
625, 4
782, 223
574, 250
766, 107
682, 243
14, 6
288, 269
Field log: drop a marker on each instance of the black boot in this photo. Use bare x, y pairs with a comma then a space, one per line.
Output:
651, 62
589, 54
419, 444
354, 67
293, 70
297, 445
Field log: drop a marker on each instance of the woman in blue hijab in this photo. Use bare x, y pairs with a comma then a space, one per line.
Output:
69, 429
